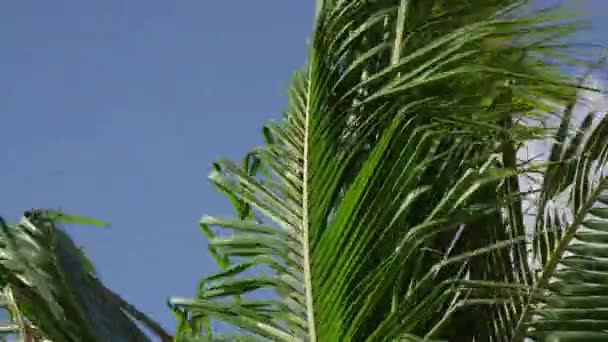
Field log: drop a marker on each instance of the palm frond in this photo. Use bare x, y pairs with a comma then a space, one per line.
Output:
389, 189
561, 298
571, 248
54, 292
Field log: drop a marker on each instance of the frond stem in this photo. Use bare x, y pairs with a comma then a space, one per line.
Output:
305, 219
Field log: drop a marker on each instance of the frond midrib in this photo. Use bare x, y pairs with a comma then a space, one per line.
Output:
310, 313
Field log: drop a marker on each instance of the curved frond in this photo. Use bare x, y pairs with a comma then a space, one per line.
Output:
54, 292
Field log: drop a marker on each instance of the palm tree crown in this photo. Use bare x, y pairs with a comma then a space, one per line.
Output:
393, 201
387, 203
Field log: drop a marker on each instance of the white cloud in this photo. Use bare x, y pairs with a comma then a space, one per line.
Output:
539, 150
592, 101
588, 102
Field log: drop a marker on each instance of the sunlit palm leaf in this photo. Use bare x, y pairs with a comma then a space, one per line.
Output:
388, 153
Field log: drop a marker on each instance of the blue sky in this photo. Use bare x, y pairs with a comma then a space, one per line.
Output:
115, 109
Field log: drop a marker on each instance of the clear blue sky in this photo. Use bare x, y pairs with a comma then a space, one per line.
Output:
115, 109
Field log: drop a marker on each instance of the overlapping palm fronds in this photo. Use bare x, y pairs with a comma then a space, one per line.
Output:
566, 300
51, 289
386, 203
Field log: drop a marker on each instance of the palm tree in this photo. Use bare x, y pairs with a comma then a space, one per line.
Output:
390, 202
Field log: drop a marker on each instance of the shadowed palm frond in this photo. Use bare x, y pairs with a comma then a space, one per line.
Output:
54, 292
570, 248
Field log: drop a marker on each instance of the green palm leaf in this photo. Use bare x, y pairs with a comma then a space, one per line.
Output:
561, 298
52, 288
385, 184
572, 244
